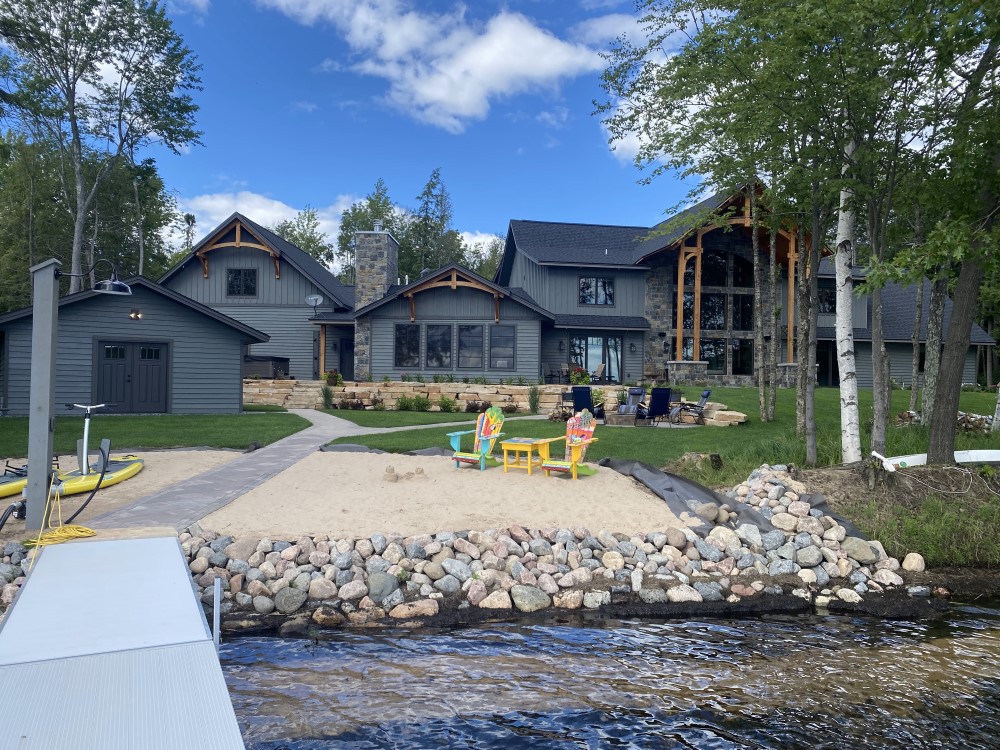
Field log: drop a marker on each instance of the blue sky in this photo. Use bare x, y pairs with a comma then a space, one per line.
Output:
309, 102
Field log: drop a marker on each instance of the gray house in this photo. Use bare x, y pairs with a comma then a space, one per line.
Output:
153, 351
249, 273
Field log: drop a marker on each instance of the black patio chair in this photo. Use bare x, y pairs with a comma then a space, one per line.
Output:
657, 408
698, 410
583, 399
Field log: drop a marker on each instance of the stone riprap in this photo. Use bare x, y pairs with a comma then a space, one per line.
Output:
388, 578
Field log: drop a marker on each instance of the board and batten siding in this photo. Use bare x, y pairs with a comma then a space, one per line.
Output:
205, 355
279, 308
558, 290
459, 307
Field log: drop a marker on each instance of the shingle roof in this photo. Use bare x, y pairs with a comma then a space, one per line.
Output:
682, 223
253, 333
589, 244
299, 259
623, 322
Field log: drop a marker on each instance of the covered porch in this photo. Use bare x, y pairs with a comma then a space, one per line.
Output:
615, 343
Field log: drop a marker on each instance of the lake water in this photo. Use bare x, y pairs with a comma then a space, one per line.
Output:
802, 682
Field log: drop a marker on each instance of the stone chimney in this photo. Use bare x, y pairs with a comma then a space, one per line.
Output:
376, 263
376, 268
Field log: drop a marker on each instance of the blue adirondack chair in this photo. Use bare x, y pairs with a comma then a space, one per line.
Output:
486, 433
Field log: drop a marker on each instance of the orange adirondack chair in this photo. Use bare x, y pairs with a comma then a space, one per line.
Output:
579, 434
487, 431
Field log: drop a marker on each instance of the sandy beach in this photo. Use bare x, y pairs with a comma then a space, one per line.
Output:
346, 495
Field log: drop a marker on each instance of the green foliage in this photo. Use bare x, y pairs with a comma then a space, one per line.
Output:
394, 418
447, 404
579, 376
327, 394
421, 403
405, 403
533, 398
303, 231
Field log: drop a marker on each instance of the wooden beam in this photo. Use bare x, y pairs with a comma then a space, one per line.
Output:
496, 308
254, 245
322, 349
681, 262
277, 265
413, 309
745, 220
238, 228
204, 263
454, 280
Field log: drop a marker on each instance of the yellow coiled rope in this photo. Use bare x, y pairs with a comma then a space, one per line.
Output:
58, 533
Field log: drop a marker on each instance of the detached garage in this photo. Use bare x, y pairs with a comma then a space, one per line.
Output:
155, 351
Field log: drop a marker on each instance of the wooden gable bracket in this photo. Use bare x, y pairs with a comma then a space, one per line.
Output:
413, 309
453, 280
256, 243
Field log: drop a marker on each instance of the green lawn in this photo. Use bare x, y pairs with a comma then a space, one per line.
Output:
743, 447
263, 407
394, 418
163, 431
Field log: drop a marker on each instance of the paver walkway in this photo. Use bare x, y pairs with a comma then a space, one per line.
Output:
182, 504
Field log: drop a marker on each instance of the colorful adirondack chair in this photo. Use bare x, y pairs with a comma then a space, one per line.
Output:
486, 433
579, 434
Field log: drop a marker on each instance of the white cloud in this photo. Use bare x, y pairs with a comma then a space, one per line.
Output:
554, 118
471, 239
601, 30
199, 7
600, 4
303, 106
211, 209
441, 68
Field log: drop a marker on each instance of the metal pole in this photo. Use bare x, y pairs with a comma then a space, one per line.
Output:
44, 323
216, 604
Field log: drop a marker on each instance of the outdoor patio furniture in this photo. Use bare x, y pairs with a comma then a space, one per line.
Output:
658, 406
579, 434
697, 410
564, 373
517, 446
486, 433
596, 376
583, 401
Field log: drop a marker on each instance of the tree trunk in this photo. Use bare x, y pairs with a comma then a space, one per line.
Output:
138, 221
932, 349
915, 347
881, 383
801, 342
772, 357
995, 427
941, 442
758, 309
850, 426
813, 276
989, 358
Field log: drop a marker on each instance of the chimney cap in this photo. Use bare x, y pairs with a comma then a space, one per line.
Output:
377, 225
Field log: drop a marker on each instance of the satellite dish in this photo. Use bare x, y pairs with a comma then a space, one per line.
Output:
314, 300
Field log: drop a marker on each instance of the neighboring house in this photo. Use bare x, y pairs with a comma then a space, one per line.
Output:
153, 351
249, 273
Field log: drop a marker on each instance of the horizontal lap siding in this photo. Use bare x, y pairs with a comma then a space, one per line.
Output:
204, 375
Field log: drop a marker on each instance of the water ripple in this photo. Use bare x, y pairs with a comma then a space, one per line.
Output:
819, 682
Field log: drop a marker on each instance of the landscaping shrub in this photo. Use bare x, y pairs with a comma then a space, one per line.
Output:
421, 403
579, 376
327, 394
404, 403
533, 397
509, 408
475, 407
447, 404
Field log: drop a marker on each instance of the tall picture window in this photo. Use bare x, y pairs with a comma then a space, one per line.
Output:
470, 347
742, 271
742, 356
241, 282
406, 351
742, 312
439, 346
713, 312
502, 347
713, 351
597, 290
827, 297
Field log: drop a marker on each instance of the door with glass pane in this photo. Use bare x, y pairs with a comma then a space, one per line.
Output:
589, 352
132, 376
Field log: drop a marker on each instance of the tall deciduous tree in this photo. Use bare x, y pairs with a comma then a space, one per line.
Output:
108, 76
304, 232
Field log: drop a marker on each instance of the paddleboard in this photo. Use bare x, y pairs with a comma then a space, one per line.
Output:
73, 482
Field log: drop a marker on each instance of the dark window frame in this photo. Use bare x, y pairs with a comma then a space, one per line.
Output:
482, 346
395, 346
494, 329
609, 286
241, 276
427, 346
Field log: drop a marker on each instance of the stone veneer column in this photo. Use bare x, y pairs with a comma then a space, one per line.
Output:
376, 264
659, 306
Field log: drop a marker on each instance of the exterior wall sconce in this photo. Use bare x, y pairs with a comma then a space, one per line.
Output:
562, 346
135, 314
631, 347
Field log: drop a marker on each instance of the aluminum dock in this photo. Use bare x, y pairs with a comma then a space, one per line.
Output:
106, 646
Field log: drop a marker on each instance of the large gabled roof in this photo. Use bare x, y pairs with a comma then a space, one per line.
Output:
299, 259
258, 337
395, 291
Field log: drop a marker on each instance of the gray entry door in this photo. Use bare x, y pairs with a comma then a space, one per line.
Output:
132, 376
